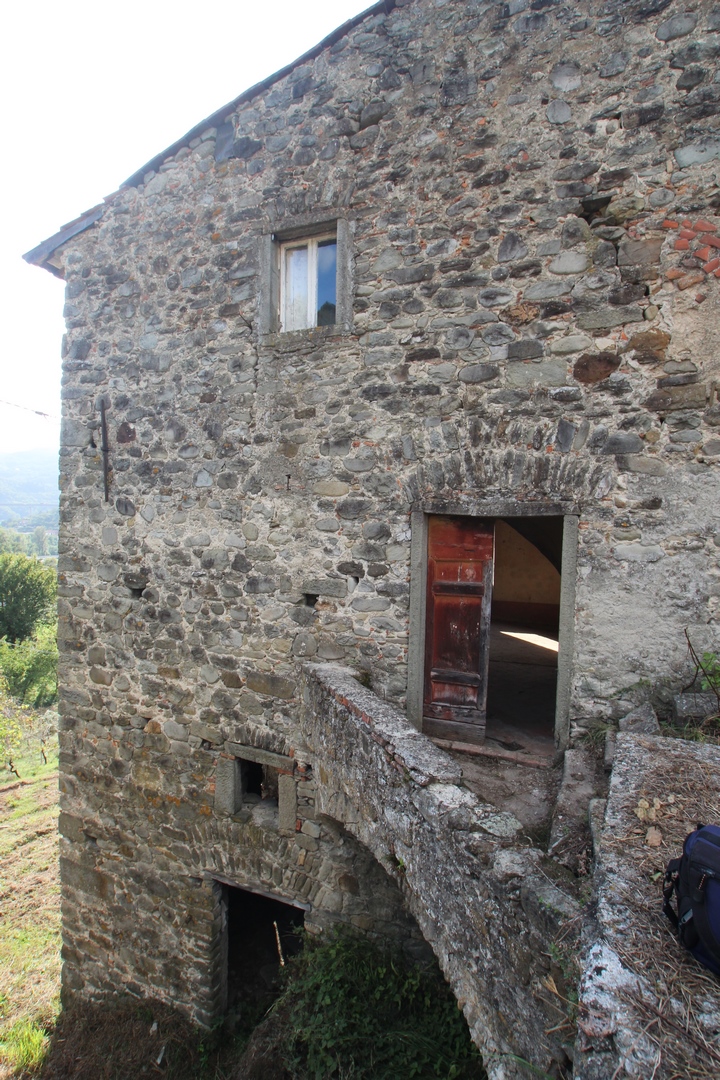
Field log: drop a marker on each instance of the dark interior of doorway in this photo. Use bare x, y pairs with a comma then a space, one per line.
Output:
524, 630
253, 958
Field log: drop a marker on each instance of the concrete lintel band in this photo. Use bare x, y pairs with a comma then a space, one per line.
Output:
263, 757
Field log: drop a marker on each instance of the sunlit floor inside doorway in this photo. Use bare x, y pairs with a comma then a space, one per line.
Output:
522, 686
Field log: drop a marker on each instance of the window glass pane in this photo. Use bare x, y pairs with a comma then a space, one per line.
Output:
296, 285
327, 274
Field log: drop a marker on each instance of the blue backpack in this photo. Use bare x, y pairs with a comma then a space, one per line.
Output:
694, 878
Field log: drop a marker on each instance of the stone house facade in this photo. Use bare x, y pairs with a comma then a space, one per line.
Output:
429, 317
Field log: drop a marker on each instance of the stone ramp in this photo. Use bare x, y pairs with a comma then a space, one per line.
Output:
474, 886
647, 1008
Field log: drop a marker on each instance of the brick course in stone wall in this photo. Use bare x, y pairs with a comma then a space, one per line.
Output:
519, 183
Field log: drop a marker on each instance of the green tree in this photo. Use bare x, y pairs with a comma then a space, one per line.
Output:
27, 595
30, 666
39, 542
12, 541
24, 733
10, 729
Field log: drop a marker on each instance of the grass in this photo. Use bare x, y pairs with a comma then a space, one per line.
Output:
29, 913
125, 1038
706, 732
89, 1042
24, 1045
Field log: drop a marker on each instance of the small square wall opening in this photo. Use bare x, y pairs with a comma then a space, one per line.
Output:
258, 782
261, 933
251, 774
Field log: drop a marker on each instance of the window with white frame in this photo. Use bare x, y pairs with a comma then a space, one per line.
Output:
308, 282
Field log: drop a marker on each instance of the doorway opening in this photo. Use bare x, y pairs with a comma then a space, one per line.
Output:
524, 635
260, 933
493, 599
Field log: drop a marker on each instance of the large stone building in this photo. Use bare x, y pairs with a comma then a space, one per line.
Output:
405, 361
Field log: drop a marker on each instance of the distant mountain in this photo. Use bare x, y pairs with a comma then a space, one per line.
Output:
29, 489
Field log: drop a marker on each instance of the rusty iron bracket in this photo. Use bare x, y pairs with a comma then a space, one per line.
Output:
105, 451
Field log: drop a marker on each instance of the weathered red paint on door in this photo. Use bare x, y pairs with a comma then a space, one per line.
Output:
457, 630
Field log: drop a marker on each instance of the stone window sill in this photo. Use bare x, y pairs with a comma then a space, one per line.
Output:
289, 340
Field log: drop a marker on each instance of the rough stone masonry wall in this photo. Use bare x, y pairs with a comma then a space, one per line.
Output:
144, 852
501, 347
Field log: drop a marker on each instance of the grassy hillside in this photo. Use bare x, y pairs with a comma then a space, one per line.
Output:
29, 912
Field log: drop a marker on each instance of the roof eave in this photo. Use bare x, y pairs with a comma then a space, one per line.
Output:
384, 6
42, 254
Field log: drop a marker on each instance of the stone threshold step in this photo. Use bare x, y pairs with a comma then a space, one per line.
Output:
515, 757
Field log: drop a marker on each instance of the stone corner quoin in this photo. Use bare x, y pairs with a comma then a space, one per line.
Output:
526, 200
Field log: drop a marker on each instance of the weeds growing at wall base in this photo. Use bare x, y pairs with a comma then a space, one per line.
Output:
353, 1009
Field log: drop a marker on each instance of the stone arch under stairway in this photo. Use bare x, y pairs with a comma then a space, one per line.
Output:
467, 874
352, 888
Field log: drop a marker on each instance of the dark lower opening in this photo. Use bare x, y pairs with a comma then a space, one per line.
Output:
252, 777
259, 782
522, 679
254, 926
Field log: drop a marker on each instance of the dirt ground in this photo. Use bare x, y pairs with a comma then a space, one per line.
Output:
528, 793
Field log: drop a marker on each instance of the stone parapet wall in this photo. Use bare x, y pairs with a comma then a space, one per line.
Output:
472, 881
647, 1008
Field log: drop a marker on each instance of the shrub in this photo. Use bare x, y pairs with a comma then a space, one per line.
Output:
711, 672
30, 667
356, 1010
27, 595
11, 730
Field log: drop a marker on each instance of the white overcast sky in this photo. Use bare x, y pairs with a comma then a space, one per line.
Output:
90, 91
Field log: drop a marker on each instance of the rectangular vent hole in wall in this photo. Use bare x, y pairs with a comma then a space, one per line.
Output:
311, 599
259, 928
259, 782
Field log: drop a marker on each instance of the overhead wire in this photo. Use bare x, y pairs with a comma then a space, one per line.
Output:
26, 408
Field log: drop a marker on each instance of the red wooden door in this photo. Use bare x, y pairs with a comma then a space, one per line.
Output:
457, 630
